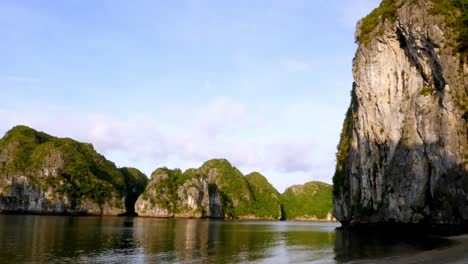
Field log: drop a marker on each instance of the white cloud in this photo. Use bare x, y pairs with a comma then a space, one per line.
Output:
215, 131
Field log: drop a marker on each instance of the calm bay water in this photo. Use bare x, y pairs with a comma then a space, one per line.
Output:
60, 239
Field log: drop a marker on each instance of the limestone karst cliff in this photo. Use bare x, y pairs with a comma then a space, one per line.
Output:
219, 190
215, 190
40, 173
403, 153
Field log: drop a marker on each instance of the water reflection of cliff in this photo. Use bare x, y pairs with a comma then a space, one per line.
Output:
43, 239
182, 240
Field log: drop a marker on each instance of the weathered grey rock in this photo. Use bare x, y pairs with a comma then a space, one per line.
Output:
407, 160
170, 193
215, 190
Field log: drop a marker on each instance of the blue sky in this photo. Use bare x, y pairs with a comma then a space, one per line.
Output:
264, 84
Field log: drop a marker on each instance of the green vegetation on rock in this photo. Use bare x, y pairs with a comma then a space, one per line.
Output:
219, 190
267, 198
308, 201
344, 148
426, 91
236, 198
166, 184
372, 24
70, 170
455, 13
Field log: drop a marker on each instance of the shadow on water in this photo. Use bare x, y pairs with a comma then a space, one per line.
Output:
374, 244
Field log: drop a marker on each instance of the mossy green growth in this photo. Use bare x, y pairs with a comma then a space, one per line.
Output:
82, 173
455, 13
313, 199
426, 91
232, 186
167, 183
267, 198
372, 25
344, 147
20, 142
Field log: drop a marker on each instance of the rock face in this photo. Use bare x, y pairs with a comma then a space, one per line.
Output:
215, 190
309, 202
44, 174
403, 154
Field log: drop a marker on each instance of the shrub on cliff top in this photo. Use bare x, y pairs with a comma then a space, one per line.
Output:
386, 11
456, 17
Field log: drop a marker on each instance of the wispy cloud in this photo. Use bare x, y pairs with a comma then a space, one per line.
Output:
20, 79
202, 135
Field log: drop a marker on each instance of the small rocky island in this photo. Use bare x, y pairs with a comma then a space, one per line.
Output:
403, 154
219, 190
40, 173
43, 174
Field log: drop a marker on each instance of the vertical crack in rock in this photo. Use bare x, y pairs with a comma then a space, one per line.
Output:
405, 159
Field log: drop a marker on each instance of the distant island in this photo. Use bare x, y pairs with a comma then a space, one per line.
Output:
42, 174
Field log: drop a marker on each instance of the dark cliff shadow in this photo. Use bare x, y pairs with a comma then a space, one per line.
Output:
419, 179
416, 186
388, 182
371, 244
284, 216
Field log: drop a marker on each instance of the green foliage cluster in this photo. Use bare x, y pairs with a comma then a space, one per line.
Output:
267, 198
310, 199
426, 91
372, 24
20, 142
456, 17
85, 174
344, 147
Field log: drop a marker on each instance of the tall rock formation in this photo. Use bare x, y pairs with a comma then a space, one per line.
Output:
215, 190
403, 153
40, 173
